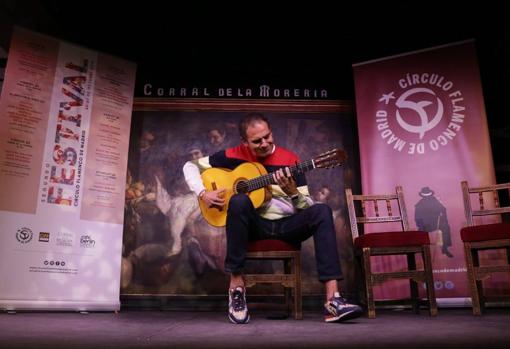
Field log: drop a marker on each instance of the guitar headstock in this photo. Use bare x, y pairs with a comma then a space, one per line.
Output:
329, 159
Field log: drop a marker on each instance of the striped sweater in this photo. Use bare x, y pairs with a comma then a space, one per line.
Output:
280, 204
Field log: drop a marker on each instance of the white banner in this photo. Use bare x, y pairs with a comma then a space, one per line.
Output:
65, 115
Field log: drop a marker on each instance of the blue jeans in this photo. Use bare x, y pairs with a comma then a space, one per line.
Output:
245, 224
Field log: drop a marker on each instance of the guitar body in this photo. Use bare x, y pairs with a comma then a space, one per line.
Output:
218, 178
252, 179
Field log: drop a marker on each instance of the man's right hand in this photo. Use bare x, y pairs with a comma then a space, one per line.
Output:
214, 198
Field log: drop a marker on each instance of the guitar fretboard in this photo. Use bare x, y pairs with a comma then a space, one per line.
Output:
265, 180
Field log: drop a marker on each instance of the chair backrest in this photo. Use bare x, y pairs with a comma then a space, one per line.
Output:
367, 209
489, 200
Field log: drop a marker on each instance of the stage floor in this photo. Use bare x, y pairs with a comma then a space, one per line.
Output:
452, 328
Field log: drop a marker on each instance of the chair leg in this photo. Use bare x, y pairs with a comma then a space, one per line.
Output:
479, 288
288, 296
411, 265
479, 283
298, 301
369, 288
429, 280
475, 297
287, 291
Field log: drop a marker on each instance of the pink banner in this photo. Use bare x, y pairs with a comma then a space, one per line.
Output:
422, 124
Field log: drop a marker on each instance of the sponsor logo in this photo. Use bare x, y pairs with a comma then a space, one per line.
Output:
44, 236
423, 114
65, 239
87, 242
24, 235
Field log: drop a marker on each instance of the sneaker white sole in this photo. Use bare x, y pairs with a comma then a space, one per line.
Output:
238, 322
345, 316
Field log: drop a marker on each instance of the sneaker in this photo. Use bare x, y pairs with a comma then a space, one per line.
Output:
237, 309
447, 253
337, 309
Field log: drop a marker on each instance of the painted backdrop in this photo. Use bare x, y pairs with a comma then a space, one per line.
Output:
168, 248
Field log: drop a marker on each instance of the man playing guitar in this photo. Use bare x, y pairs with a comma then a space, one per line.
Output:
288, 214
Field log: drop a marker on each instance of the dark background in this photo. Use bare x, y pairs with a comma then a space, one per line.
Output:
242, 44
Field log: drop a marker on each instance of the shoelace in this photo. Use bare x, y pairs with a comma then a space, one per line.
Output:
238, 301
341, 299
339, 302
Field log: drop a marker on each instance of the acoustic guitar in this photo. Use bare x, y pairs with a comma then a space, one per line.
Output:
252, 179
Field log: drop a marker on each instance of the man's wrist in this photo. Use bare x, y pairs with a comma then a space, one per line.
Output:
294, 196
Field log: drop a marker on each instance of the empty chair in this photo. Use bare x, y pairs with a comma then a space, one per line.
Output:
489, 235
366, 210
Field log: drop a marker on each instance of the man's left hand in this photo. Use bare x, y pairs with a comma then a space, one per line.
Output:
284, 179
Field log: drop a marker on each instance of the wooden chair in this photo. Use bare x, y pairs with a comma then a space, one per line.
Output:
290, 255
363, 210
488, 236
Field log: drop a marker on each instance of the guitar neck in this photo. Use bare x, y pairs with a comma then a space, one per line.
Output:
265, 180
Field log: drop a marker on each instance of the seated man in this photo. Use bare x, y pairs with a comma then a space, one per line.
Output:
290, 216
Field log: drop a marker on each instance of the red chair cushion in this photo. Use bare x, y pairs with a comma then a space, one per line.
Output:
393, 239
270, 245
485, 232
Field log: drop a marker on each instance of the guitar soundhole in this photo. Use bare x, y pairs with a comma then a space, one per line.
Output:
241, 187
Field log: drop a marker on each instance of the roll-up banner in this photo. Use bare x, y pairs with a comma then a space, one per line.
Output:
65, 114
422, 124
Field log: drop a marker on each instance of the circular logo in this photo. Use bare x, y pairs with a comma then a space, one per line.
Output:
449, 285
438, 285
56, 263
24, 235
424, 113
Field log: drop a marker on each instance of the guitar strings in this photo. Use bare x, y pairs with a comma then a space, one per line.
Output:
265, 180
